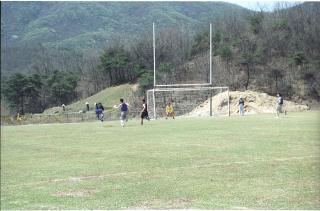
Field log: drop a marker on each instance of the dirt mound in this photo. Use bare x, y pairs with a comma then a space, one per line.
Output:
255, 102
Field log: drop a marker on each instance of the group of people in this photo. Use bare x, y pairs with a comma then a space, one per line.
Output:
279, 105
170, 111
124, 109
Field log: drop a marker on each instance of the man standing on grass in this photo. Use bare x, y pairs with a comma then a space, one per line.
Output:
241, 106
123, 111
279, 104
144, 112
87, 105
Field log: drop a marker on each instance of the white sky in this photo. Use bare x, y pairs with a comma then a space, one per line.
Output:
257, 5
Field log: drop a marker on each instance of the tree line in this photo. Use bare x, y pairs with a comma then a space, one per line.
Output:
34, 93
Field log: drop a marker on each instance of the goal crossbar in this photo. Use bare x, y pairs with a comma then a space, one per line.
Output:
186, 89
177, 85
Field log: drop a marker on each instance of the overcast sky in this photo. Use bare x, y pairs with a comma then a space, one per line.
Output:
257, 5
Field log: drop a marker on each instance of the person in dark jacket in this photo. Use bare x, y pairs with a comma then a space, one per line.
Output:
241, 106
99, 111
144, 111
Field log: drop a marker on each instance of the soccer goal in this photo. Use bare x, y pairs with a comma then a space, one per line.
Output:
195, 96
191, 101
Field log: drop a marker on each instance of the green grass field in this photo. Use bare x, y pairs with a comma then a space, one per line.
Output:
252, 162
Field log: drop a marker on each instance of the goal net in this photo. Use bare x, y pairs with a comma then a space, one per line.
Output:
192, 101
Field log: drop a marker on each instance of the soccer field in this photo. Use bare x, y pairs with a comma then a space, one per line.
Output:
251, 162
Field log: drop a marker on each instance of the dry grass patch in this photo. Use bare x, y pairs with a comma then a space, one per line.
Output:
178, 203
76, 193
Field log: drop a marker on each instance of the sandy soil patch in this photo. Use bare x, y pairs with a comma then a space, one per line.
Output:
255, 102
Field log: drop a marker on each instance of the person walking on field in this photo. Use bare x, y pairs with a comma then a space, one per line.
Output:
87, 105
99, 111
241, 106
124, 107
144, 112
169, 111
279, 104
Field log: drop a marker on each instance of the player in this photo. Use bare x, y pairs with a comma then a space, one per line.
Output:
169, 111
241, 106
99, 111
279, 104
124, 108
144, 111
87, 106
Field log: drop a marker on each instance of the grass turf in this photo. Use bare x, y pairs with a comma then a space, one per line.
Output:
252, 162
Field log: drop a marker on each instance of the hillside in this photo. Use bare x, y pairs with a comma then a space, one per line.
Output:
93, 24
269, 52
108, 97
35, 32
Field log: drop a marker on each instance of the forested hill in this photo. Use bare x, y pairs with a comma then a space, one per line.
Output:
93, 24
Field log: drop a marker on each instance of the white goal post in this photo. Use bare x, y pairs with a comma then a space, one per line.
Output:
189, 101
187, 98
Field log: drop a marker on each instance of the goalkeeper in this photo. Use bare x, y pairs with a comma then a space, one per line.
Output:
169, 111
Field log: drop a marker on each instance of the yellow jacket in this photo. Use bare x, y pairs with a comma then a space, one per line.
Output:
169, 109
